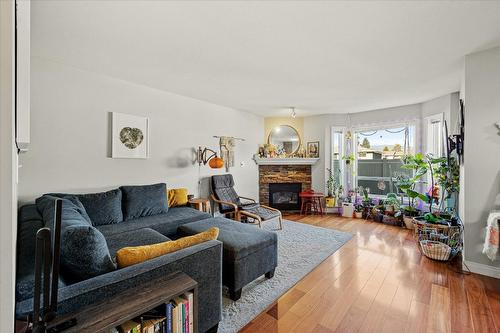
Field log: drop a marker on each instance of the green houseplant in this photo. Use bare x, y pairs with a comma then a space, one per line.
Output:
332, 187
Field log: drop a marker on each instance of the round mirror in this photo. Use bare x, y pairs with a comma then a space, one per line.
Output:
285, 138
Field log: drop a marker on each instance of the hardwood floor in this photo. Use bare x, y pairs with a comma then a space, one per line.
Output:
379, 282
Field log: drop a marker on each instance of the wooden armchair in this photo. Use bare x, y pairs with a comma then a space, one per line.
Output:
230, 203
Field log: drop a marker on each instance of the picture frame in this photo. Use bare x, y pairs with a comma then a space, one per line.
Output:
129, 136
313, 149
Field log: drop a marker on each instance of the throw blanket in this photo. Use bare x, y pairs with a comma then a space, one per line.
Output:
492, 241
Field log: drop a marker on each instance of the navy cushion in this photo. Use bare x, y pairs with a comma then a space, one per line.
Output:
144, 200
104, 207
84, 252
71, 213
139, 237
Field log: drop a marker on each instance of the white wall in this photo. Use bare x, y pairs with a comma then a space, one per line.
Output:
482, 151
70, 135
8, 170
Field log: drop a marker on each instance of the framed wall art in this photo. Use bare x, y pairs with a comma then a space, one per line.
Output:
130, 136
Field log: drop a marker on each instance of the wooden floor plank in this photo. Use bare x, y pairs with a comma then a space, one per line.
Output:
380, 282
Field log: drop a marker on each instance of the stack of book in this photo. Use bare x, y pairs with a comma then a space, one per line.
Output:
175, 316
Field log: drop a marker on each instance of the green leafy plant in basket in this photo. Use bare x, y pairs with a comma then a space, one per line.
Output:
423, 165
392, 203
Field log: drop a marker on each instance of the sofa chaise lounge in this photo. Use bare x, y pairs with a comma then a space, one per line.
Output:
108, 212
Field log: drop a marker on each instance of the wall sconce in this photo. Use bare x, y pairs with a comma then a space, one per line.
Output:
498, 126
209, 156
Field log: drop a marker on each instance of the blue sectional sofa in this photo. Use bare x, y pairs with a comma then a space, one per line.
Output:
128, 216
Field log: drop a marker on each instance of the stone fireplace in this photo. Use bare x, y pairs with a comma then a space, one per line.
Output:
279, 185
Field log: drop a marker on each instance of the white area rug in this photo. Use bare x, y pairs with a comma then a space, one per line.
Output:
301, 247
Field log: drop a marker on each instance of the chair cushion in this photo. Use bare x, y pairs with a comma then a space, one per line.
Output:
166, 224
144, 236
223, 189
264, 213
102, 208
239, 240
84, 252
129, 256
144, 200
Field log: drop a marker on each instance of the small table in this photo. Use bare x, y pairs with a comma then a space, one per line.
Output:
312, 199
202, 204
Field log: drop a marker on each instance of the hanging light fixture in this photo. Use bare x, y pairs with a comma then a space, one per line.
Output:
294, 114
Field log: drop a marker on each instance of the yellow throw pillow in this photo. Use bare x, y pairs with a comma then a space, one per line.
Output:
177, 197
133, 255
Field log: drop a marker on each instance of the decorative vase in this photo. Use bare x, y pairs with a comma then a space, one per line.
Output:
330, 202
358, 215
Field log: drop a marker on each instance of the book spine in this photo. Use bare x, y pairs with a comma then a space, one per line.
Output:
186, 317
175, 319
182, 318
169, 318
191, 312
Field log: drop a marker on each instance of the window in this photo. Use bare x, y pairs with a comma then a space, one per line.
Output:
337, 152
378, 153
434, 135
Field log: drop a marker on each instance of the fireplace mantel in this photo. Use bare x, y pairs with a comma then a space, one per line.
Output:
286, 161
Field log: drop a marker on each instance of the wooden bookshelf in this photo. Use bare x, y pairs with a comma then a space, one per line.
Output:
130, 304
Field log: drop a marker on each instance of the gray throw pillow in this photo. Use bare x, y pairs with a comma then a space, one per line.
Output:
144, 200
71, 214
104, 207
84, 253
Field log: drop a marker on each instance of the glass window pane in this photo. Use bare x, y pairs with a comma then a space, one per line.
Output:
379, 154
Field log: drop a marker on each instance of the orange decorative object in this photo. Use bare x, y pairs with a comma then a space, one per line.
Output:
216, 163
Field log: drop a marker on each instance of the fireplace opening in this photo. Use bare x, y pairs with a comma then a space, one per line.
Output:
285, 196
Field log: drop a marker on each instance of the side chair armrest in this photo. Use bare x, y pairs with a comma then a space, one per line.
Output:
271, 208
249, 199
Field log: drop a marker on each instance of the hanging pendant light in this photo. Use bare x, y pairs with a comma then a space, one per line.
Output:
294, 114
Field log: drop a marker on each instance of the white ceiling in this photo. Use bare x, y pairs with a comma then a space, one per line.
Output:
322, 57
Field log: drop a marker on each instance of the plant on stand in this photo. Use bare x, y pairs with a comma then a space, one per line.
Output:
332, 185
448, 178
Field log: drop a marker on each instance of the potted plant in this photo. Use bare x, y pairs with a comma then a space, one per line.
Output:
378, 212
358, 211
332, 187
433, 165
392, 203
348, 159
419, 166
448, 178
409, 211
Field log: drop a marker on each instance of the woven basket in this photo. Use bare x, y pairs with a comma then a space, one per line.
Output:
435, 250
437, 241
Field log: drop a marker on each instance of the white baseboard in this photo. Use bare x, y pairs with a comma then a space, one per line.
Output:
483, 269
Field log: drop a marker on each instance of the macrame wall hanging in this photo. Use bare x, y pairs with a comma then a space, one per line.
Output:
227, 145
